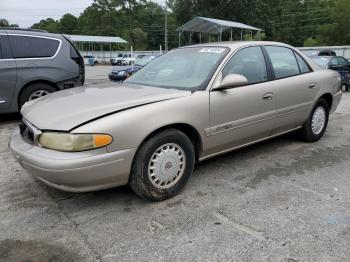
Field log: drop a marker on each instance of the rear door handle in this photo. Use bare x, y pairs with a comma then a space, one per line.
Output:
313, 85
267, 96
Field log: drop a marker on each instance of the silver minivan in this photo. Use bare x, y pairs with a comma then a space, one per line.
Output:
34, 64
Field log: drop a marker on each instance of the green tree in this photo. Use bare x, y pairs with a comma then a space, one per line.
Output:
139, 39
5, 23
68, 24
337, 32
48, 24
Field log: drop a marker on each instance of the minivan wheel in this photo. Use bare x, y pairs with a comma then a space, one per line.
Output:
35, 91
316, 125
162, 165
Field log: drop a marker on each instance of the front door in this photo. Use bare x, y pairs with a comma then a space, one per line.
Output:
245, 114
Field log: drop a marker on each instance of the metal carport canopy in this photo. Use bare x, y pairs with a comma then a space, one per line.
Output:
96, 39
212, 26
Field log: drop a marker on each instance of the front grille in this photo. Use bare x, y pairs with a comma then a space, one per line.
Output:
26, 132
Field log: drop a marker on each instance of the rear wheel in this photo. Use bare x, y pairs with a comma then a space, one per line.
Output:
316, 125
35, 91
162, 165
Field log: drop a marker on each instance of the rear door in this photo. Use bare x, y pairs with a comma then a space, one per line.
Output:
8, 74
297, 87
243, 114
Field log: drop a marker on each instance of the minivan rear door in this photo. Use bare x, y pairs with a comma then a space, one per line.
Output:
8, 73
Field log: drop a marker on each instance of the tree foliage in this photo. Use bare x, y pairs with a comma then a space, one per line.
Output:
5, 23
141, 22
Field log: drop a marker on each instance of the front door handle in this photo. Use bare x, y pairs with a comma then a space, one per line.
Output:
267, 96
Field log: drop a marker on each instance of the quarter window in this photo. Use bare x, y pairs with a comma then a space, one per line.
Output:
33, 47
283, 61
249, 62
304, 67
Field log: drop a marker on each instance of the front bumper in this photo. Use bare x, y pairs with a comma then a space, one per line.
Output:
74, 172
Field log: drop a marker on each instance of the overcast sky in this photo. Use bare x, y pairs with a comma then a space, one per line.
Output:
27, 12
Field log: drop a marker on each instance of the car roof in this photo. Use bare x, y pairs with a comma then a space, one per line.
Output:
238, 44
30, 32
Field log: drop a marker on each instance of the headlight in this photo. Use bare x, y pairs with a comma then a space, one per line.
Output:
67, 142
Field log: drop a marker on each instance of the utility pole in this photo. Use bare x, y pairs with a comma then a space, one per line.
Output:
166, 26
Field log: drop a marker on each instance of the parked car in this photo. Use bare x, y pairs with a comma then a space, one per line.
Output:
192, 104
128, 59
34, 64
337, 63
120, 74
326, 53
90, 60
124, 59
117, 61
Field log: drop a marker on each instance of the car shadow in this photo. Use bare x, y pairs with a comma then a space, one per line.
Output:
7, 118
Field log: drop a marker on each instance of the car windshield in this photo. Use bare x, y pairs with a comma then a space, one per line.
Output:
185, 68
321, 61
144, 60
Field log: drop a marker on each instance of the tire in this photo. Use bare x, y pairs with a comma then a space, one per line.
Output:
29, 93
313, 132
176, 155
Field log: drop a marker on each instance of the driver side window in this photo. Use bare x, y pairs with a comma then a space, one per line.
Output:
249, 62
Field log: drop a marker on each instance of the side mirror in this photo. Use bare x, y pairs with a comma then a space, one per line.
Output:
231, 81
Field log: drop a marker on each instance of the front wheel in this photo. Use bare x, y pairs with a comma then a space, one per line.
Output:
35, 91
316, 125
162, 165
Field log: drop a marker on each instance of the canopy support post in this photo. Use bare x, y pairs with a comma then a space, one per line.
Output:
220, 33
190, 38
251, 35
241, 33
231, 34
180, 33
200, 37
110, 51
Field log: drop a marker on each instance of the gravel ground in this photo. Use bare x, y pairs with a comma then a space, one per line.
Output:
281, 200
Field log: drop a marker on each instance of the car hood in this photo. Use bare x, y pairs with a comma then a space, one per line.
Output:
65, 110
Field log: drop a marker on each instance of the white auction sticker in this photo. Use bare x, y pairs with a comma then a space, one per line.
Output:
215, 50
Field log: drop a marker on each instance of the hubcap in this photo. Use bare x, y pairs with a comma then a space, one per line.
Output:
318, 120
37, 94
167, 165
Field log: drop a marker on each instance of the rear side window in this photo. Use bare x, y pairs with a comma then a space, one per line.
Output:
249, 62
33, 47
304, 67
283, 61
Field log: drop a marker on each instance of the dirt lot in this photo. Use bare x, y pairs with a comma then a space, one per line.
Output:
282, 200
